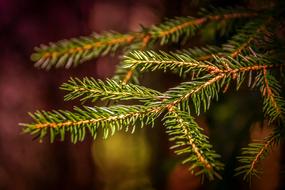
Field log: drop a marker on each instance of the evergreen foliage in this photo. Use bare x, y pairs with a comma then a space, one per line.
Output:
90, 88
189, 139
249, 56
110, 119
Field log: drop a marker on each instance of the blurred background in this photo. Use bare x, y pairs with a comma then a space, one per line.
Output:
139, 161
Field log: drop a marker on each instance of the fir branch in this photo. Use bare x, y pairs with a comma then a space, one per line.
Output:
242, 63
256, 152
126, 74
200, 91
172, 30
250, 55
182, 27
203, 89
244, 67
188, 138
244, 42
129, 75
110, 119
184, 62
115, 117
273, 103
181, 62
90, 88
77, 50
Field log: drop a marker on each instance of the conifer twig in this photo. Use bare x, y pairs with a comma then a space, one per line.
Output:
77, 50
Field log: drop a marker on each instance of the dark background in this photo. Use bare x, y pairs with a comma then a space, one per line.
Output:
27, 164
